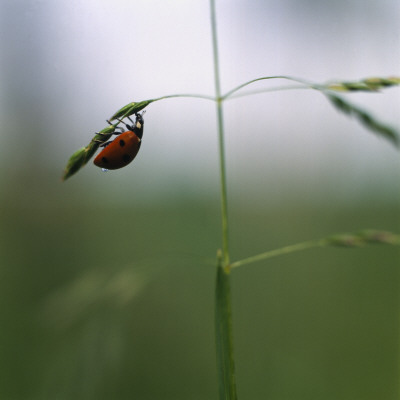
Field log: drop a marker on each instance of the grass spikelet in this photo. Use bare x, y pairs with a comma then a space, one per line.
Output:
84, 154
130, 109
366, 85
365, 118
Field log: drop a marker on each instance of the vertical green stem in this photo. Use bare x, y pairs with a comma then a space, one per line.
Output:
224, 195
223, 334
223, 313
224, 200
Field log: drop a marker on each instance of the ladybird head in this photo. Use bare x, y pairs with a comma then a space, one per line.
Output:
139, 125
139, 119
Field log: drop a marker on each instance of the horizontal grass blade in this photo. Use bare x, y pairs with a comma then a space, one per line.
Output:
349, 240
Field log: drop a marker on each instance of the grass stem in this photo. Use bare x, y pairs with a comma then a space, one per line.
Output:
223, 310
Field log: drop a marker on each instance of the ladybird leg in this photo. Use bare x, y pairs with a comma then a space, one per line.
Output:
118, 127
106, 134
102, 143
127, 126
139, 118
98, 140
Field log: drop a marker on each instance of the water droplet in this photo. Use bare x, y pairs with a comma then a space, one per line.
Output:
104, 169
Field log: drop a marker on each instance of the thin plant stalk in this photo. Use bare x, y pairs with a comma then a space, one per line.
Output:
224, 200
223, 333
223, 313
280, 252
224, 194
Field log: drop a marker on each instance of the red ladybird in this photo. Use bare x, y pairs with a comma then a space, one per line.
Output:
123, 149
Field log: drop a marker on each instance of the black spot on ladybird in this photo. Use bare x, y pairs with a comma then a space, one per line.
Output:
104, 159
126, 157
122, 143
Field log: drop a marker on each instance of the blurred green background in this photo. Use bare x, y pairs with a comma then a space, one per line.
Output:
107, 280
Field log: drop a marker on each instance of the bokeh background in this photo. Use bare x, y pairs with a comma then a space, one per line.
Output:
107, 279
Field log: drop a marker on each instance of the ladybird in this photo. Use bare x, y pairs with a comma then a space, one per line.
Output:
123, 149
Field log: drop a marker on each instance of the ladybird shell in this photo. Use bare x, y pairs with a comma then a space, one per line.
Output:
120, 152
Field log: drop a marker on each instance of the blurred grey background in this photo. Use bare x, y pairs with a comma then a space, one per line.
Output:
106, 280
